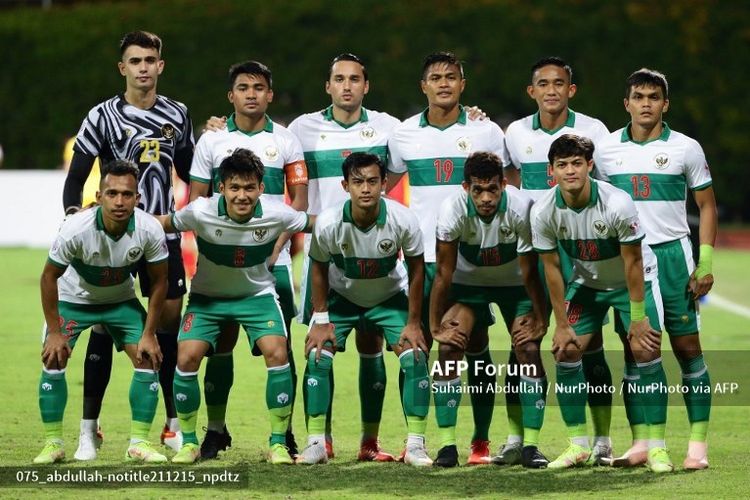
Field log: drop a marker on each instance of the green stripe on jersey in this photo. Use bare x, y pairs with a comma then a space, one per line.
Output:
436, 171
102, 275
502, 253
591, 250
235, 255
651, 187
273, 178
357, 268
327, 163
536, 176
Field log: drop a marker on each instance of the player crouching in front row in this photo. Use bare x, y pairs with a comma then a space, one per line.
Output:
236, 235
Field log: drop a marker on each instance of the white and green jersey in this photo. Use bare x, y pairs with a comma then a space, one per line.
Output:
326, 143
434, 158
232, 255
276, 146
657, 175
487, 250
98, 265
592, 236
528, 145
364, 264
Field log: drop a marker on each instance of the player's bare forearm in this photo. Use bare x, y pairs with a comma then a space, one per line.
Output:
555, 285
319, 276
533, 284
48, 286
198, 189
447, 254
157, 274
512, 176
633, 258
416, 287
166, 223
709, 218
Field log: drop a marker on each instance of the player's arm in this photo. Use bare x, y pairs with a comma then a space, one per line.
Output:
296, 185
321, 329
532, 282
640, 329
447, 255
80, 168
157, 274
183, 158
702, 279
512, 176
412, 332
564, 334
56, 350
198, 189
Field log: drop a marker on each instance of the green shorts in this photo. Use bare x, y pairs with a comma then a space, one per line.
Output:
389, 317
587, 307
259, 315
512, 301
123, 320
675, 263
285, 290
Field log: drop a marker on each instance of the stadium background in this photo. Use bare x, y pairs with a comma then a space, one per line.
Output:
59, 59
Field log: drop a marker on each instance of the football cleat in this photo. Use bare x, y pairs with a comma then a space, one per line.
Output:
509, 454
600, 455
88, 443
214, 442
532, 458
145, 452
329, 447
416, 455
658, 461
171, 439
52, 452
447, 456
697, 457
278, 454
634, 457
370, 451
314, 453
400, 457
188, 454
573, 456
479, 453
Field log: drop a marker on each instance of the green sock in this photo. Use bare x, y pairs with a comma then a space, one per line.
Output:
416, 398
416, 424
144, 396
653, 380
187, 400
279, 395
372, 381
657, 432
316, 425
571, 399
317, 388
217, 382
482, 400
513, 399
698, 398
447, 398
633, 401
597, 374
533, 401
53, 396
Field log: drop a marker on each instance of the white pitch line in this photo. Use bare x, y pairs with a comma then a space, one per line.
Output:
728, 305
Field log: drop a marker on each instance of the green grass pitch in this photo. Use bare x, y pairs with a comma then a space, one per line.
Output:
22, 435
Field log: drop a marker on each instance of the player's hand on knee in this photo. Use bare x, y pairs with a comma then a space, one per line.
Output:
449, 333
527, 329
412, 335
56, 351
148, 349
215, 123
564, 339
319, 334
645, 337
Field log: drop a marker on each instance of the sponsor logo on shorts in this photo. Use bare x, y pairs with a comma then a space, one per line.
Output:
271, 324
167, 131
134, 254
386, 246
94, 357
661, 161
685, 318
600, 228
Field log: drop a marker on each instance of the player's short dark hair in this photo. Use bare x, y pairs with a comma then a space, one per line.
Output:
569, 145
649, 77
347, 56
119, 168
241, 163
441, 58
552, 61
483, 165
249, 68
143, 39
359, 160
